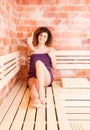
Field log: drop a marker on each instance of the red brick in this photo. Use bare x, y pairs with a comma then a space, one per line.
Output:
27, 2
86, 1
48, 1
29, 22
23, 72
86, 42
70, 2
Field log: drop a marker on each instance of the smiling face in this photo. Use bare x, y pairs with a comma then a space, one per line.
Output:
42, 35
42, 38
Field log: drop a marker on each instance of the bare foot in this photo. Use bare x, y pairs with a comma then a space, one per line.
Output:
36, 103
43, 100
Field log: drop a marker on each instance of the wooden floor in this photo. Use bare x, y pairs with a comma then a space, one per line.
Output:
66, 109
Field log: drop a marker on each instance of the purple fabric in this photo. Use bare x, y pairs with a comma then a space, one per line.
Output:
45, 59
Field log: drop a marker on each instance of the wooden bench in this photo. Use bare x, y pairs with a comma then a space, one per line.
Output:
16, 113
73, 60
75, 95
76, 106
9, 66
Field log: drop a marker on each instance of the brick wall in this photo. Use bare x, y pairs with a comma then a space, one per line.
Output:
8, 37
69, 21
8, 34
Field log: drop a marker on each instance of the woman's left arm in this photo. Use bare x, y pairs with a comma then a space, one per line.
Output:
53, 58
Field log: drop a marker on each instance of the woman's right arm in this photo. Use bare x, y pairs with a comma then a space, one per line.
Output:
29, 41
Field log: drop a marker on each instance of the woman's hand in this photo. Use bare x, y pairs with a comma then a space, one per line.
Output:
51, 53
29, 41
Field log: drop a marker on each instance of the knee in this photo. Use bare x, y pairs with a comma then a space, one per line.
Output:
31, 82
39, 63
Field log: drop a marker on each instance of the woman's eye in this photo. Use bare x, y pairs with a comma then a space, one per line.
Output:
40, 34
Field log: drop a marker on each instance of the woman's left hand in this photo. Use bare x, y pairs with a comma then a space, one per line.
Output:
51, 53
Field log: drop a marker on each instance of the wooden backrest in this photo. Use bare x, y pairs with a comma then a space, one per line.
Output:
9, 66
73, 59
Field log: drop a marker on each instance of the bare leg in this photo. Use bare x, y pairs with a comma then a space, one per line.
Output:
43, 78
34, 93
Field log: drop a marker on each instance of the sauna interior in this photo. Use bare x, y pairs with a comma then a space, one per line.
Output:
69, 21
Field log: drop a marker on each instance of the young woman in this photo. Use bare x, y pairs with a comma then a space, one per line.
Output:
42, 61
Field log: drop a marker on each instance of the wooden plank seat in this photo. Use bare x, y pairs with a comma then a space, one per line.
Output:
19, 115
73, 107
16, 113
75, 95
76, 106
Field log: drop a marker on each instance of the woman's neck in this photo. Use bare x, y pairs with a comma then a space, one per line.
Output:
41, 46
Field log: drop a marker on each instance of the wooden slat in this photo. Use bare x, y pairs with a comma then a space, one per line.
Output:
11, 113
86, 125
75, 83
40, 119
76, 103
77, 110
8, 101
76, 126
73, 66
72, 58
29, 122
80, 125
76, 53
9, 56
51, 117
19, 118
77, 117
62, 120
75, 96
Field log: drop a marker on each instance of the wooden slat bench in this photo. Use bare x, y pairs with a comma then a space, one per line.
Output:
73, 60
57, 114
76, 106
16, 113
9, 66
75, 95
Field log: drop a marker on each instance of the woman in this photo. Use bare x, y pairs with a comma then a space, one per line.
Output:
41, 63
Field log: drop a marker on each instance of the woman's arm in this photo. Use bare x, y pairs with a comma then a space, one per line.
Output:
53, 58
29, 41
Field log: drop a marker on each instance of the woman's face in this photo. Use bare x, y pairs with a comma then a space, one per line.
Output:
42, 38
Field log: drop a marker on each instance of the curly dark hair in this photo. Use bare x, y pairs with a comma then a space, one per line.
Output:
38, 32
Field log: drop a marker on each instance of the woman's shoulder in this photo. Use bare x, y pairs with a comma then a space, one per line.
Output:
51, 49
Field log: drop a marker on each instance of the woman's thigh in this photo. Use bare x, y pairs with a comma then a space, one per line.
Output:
47, 77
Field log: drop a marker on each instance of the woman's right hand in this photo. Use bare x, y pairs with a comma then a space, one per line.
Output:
29, 41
